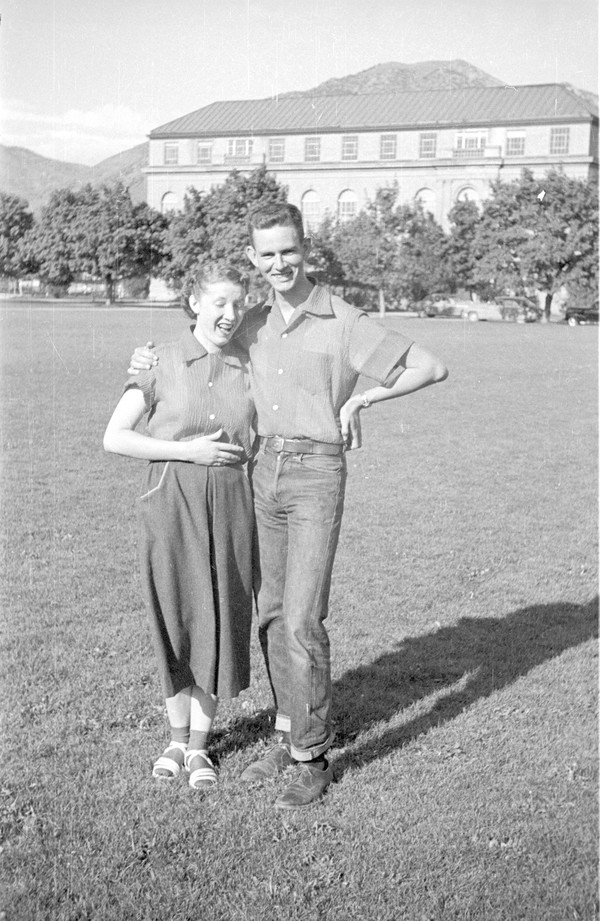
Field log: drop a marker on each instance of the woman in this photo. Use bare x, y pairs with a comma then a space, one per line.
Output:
195, 515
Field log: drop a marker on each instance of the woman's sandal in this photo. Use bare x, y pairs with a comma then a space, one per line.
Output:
170, 763
203, 774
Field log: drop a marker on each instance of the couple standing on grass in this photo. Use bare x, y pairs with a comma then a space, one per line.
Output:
285, 370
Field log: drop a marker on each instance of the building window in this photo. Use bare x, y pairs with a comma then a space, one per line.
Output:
515, 143
470, 144
312, 150
427, 145
311, 209
276, 150
171, 154
559, 141
350, 147
169, 202
387, 147
347, 206
204, 152
426, 198
239, 148
468, 194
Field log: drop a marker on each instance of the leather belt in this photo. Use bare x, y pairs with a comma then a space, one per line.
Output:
279, 445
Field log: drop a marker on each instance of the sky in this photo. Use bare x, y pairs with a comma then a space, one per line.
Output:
81, 80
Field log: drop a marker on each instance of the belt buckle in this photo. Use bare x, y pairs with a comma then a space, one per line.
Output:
277, 443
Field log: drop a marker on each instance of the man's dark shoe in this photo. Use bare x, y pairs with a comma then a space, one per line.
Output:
308, 787
274, 762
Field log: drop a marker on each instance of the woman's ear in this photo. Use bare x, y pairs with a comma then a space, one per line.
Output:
195, 306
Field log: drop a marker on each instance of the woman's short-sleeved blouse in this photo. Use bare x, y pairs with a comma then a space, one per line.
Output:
191, 392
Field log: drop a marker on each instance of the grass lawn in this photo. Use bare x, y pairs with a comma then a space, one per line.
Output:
463, 622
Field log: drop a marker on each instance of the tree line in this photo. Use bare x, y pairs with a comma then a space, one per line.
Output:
529, 235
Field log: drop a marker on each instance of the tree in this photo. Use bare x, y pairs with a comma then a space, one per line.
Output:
397, 250
323, 258
461, 262
212, 227
149, 240
422, 259
562, 245
368, 246
186, 240
100, 233
539, 234
51, 242
15, 223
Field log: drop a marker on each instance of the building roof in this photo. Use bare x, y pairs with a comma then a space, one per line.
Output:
552, 102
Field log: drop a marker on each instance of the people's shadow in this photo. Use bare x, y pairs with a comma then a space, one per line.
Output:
454, 666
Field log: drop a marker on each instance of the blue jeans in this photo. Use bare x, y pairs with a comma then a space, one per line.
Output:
298, 500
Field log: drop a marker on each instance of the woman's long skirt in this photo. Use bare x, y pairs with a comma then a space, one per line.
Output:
196, 529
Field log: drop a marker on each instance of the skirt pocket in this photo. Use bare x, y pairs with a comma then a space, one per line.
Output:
153, 473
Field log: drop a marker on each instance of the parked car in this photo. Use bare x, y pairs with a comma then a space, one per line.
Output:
582, 316
440, 304
482, 310
519, 309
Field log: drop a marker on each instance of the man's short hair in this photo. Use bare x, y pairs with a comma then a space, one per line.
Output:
277, 214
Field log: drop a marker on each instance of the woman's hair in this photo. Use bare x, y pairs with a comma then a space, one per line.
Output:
208, 273
278, 214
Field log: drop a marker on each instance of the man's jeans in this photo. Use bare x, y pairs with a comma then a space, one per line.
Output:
299, 499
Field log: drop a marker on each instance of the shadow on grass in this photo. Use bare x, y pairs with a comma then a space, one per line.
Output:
483, 655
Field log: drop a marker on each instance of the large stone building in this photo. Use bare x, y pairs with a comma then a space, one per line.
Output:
334, 152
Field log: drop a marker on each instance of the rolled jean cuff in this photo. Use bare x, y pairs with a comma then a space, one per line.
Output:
282, 723
308, 754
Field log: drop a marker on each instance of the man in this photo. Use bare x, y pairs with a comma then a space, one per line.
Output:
307, 349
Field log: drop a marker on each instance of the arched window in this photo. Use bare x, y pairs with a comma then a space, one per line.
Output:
347, 205
468, 193
311, 209
169, 202
427, 199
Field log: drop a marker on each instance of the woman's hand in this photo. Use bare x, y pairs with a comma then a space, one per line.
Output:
210, 452
142, 359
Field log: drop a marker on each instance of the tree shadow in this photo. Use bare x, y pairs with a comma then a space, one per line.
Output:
480, 655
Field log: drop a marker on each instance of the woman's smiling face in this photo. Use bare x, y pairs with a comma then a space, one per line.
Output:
219, 308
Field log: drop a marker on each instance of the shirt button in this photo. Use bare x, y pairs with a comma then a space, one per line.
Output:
275, 406
212, 416
210, 383
280, 371
284, 335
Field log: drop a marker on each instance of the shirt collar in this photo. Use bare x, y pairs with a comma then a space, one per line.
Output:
192, 349
318, 302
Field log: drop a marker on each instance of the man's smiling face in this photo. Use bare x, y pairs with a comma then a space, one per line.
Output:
279, 254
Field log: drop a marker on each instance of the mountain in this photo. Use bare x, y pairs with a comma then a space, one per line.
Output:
403, 78
126, 166
34, 178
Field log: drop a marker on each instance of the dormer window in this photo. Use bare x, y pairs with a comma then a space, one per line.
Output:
239, 148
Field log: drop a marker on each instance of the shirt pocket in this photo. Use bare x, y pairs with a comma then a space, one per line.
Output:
315, 371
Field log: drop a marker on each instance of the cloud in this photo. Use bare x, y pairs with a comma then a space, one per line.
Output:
77, 135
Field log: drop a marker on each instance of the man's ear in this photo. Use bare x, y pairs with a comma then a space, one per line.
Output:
193, 303
306, 246
251, 254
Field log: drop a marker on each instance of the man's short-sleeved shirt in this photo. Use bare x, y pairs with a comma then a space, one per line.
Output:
303, 372
191, 392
